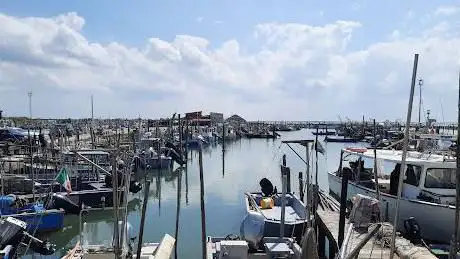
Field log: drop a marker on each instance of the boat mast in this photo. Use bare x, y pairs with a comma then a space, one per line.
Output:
420, 83
456, 235
404, 154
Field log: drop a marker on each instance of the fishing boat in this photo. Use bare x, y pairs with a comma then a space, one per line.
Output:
152, 153
264, 238
428, 192
295, 214
324, 133
269, 204
37, 217
341, 139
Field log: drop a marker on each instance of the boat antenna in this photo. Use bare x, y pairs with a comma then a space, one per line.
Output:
404, 154
456, 235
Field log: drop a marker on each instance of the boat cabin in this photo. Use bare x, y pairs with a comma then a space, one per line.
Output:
427, 177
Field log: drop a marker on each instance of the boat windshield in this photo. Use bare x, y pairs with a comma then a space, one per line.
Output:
442, 178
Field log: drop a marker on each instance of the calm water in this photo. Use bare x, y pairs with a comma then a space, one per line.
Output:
226, 178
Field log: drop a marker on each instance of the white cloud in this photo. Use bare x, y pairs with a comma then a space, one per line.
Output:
296, 71
446, 10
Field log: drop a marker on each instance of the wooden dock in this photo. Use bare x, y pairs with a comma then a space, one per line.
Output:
377, 247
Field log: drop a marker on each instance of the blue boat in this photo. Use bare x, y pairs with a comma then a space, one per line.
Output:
38, 218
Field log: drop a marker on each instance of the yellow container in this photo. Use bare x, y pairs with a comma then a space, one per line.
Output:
267, 203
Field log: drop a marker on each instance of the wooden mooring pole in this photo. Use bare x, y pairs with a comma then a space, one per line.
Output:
203, 211
343, 205
144, 209
301, 186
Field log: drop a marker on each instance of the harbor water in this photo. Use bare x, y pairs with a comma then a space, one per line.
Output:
227, 176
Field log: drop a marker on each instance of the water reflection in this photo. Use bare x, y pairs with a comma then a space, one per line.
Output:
227, 175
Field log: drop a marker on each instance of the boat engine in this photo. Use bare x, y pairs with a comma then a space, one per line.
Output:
13, 232
252, 229
413, 230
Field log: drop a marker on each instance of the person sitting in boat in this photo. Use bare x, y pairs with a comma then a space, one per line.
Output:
394, 179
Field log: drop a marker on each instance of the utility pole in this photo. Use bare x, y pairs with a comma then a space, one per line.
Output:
30, 104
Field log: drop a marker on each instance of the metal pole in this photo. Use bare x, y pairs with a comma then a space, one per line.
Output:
307, 180
377, 188
144, 209
420, 83
203, 213
283, 203
404, 154
456, 235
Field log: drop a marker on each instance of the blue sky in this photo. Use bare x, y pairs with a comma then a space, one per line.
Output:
357, 55
134, 22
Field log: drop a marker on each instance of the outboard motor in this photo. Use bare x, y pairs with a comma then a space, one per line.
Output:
266, 187
58, 201
252, 229
413, 230
13, 232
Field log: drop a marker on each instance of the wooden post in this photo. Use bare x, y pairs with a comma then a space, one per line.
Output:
203, 212
144, 209
301, 186
223, 137
321, 242
179, 189
288, 175
343, 207
180, 139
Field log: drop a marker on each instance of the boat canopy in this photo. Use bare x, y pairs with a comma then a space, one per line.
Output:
413, 157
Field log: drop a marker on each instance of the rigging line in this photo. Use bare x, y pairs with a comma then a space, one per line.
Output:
296, 153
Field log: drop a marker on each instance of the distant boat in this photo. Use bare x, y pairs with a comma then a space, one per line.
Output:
341, 139
323, 133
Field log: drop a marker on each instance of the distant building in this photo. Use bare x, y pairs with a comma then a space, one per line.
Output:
193, 115
216, 117
235, 120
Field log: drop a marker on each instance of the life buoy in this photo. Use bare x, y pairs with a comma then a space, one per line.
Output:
356, 149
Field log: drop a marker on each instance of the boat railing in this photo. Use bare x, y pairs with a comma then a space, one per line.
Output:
253, 202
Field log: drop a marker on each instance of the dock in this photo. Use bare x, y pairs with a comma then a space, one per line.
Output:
377, 247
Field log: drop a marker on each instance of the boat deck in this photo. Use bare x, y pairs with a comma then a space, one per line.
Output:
275, 214
329, 220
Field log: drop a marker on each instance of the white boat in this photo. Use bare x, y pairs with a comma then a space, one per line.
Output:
428, 192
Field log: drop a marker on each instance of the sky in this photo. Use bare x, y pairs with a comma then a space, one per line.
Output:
263, 60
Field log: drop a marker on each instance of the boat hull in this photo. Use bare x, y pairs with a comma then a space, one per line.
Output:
341, 140
158, 163
436, 221
46, 221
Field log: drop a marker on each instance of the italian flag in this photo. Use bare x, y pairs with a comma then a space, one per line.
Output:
63, 179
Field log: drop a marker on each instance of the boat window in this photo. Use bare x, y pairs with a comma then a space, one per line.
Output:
443, 178
412, 175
